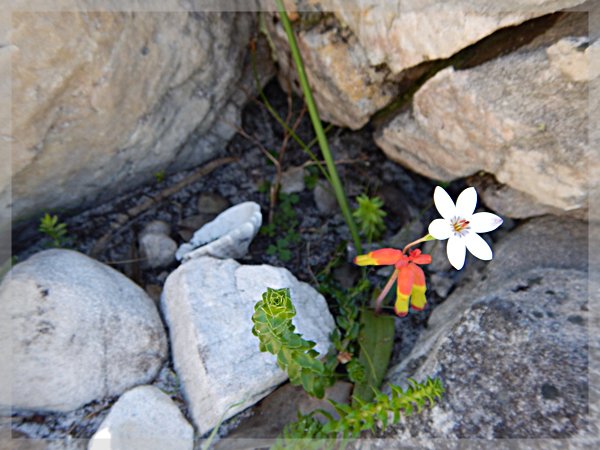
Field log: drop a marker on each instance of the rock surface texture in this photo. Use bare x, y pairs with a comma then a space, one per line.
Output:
102, 104
78, 331
144, 418
208, 305
511, 347
521, 117
227, 236
156, 246
359, 57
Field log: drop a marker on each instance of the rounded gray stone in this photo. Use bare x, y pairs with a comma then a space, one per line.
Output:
78, 331
144, 418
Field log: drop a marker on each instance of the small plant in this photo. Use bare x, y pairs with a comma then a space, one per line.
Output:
55, 230
285, 223
273, 326
369, 216
311, 177
160, 176
379, 413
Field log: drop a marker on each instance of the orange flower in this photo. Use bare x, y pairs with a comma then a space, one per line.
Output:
410, 277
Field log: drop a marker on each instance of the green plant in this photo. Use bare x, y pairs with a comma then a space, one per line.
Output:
283, 227
311, 177
160, 176
369, 215
55, 230
313, 112
348, 303
273, 326
379, 413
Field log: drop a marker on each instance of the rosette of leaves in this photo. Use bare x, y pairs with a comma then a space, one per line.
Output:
273, 326
369, 215
55, 230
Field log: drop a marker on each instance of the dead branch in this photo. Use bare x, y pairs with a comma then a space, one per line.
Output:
152, 201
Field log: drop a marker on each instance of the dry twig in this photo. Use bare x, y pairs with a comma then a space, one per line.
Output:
152, 201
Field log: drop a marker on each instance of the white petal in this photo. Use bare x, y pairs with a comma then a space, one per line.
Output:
478, 247
444, 203
466, 202
440, 229
483, 222
456, 251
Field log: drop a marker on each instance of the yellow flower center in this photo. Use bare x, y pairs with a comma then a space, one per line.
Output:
460, 224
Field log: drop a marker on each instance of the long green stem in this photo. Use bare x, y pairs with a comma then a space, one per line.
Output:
286, 127
318, 126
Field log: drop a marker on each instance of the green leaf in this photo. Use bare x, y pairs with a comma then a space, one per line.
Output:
376, 340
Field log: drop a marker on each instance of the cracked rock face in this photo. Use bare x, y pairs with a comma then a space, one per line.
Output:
511, 347
101, 105
208, 305
521, 117
78, 331
360, 55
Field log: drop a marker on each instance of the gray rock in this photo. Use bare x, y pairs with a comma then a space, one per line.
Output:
441, 284
189, 225
227, 236
78, 331
362, 54
518, 117
346, 87
210, 203
514, 203
156, 227
510, 346
157, 249
143, 418
208, 304
292, 180
325, 198
189, 85
417, 31
439, 258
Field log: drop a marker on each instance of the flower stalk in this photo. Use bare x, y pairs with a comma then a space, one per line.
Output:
318, 127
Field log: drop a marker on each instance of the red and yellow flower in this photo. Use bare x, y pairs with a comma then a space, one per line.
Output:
409, 276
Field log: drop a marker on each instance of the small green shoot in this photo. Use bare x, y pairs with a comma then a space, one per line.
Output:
55, 230
284, 226
311, 177
369, 216
160, 176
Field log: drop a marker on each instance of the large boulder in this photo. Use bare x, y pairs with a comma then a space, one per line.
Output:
360, 57
144, 418
511, 347
78, 331
101, 101
208, 305
522, 117
346, 87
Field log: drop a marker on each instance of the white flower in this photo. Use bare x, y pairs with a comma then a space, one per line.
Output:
460, 226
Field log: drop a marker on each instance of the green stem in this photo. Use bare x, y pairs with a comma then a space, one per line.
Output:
318, 126
425, 238
286, 127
